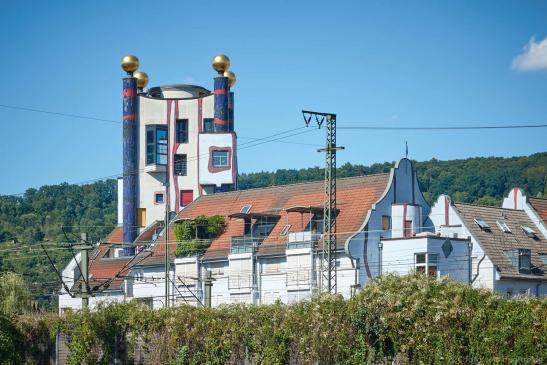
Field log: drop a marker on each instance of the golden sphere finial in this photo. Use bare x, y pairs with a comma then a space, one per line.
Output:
221, 63
231, 77
130, 63
142, 79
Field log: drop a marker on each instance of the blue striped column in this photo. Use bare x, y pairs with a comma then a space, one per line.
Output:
221, 104
231, 111
130, 163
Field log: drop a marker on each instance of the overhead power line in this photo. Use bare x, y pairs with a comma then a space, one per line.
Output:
446, 128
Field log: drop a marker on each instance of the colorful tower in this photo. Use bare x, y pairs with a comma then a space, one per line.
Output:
179, 143
130, 64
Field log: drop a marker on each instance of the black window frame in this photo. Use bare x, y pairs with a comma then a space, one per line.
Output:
208, 125
154, 149
181, 131
181, 165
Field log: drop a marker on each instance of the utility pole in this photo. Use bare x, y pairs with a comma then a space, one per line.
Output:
208, 283
328, 257
84, 248
167, 201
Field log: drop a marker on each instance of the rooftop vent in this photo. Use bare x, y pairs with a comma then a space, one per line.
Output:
246, 209
529, 232
482, 224
503, 226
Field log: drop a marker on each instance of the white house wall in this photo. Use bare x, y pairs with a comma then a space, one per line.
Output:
398, 256
403, 187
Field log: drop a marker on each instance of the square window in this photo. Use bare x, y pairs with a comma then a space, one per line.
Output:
158, 198
186, 197
433, 258
208, 126
420, 258
220, 158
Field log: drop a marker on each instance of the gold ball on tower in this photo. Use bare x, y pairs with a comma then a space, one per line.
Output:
142, 79
231, 77
221, 63
130, 63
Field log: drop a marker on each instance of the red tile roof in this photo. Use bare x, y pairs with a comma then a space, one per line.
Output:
355, 197
540, 206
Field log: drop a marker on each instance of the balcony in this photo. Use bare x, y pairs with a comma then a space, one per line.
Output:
244, 244
305, 239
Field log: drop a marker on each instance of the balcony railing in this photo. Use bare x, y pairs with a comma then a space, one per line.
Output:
244, 244
304, 239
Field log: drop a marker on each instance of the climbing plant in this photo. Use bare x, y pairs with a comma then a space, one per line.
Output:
193, 235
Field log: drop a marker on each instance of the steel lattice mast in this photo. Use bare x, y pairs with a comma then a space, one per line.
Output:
328, 279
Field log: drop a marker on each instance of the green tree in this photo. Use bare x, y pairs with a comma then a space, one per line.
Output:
14, 294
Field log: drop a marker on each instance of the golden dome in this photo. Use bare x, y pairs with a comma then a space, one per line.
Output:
221, 63
142, 79
231, 77
130, 63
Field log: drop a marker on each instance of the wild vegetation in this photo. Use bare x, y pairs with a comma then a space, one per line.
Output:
417, 319
58, 213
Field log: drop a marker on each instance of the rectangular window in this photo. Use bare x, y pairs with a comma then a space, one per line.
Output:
141, 217
386, 222
220, 158
285, 230
158, 198
156, 145
208, 126
408, 229
180, 165
186, 197
150, 146
182, 131
426, 263
525, 260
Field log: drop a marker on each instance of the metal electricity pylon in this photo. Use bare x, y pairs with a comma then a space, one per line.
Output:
328, 258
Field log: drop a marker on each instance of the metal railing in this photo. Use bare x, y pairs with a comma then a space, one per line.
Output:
244, 244
305, 239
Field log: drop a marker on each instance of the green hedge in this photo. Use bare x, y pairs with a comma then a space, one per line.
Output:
417, 319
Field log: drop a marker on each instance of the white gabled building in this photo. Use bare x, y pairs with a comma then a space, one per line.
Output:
508, 251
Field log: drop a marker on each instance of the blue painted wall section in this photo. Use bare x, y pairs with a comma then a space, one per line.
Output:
130, 163
231, 111
221, 104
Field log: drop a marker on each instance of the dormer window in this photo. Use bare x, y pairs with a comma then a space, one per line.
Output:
482, 224
525, 260
503, 226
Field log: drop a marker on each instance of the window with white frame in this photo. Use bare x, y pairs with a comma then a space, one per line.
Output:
220, 158
425, 263
298, 270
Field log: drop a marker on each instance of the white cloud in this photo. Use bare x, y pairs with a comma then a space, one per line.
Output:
534, 57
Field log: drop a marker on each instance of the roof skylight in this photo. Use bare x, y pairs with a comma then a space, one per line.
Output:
503, 226
285, 230
246, 209
482, 223
529, 232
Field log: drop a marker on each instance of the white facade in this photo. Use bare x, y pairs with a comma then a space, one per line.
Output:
437, 256
484, 274
158, 115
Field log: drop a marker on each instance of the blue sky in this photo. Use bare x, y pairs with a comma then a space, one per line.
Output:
397, 63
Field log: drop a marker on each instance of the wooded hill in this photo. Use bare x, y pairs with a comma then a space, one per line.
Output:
58, 213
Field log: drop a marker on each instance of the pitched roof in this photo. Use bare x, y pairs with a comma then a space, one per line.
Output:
355, 197
540, 206
496, 243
